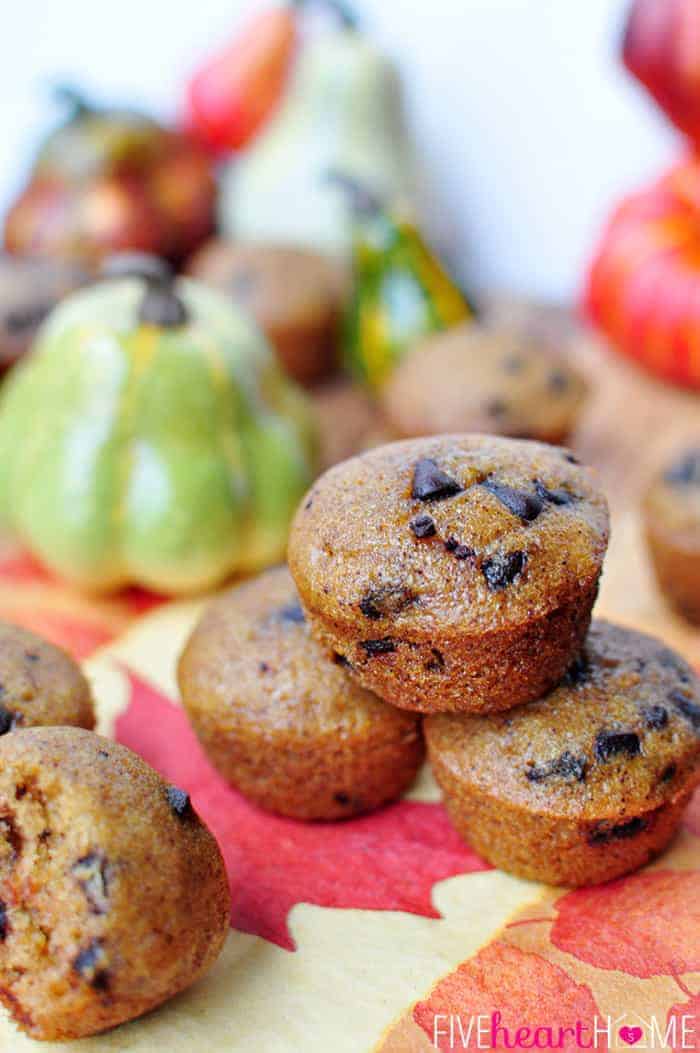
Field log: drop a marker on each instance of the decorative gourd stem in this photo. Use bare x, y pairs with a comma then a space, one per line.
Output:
137, 265
343, 12
363, 201
73, 100
162, 306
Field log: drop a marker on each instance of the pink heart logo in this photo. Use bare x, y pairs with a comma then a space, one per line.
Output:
630, 1035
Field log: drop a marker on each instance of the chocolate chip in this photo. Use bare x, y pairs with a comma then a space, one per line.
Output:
386, 601
4, 921
179, 801
90, 871
554, 497
655, 717
430, 483
570, 457
91, 965
686, 471
496, 408
292, 612
685, 705
263, 667
502, 569
375, 647
341, 798
102, 753
557, 381
162, 306
578, 672
609, 743
341, 660
669, 772
604, 833
458, 550
568, 766
423, 526
8, 720
518, 502
436, 663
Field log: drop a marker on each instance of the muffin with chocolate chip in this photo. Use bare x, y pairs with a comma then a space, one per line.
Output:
29, 290
113, 894
281, 720
40, 683
295, 295
671, 511
452, 573
586, 783
473, 378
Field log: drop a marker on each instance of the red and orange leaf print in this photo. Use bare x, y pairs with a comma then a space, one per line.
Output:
644, 925
388, 860
484, 1003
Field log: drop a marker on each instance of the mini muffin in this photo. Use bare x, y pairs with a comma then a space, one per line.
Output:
452, 573
29, 289
472, 378
281, 720
40, 683
586, 783
113, 894
293, 294
347, 420
671, 513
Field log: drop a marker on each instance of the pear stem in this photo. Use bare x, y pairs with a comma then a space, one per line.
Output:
345, 14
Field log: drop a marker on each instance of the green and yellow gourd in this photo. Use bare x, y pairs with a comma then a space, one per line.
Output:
151, 438
402, 292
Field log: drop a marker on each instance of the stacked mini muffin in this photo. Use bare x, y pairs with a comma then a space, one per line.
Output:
454, 577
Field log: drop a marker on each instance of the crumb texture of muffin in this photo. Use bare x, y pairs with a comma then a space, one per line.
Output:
454, 573
671, 512
113, 894
281, 719
587, 783
472, 378
39, 683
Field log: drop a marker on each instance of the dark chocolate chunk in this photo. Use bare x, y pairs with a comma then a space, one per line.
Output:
430, 483
137, 265
554, 497
90, 871
91, 965
341, 660
502, 569
292, 612
386, 600
518, 502
341, 798
375, 647
669, 772
685, 471
557, 381
604, 833
685, 705
609, 743
162, 306
263, 667
655, 717
578, 672
458, 550
4, 921
423, 526
8, 720
179, 801
436, 663
567, 766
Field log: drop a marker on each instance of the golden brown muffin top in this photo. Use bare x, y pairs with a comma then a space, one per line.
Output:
251, 661
458, 533
473, 378
672, 502
280, 285
39, 683
620, 734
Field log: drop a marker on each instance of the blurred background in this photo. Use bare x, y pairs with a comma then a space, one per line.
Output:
526, 124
